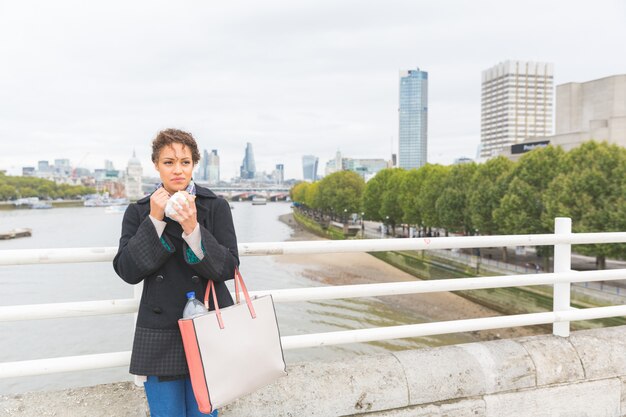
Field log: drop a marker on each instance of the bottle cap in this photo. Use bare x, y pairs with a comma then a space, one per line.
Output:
191, 294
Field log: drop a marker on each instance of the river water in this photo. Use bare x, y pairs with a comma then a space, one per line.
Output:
92, 227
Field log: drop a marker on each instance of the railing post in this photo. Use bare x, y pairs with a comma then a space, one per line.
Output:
562, 263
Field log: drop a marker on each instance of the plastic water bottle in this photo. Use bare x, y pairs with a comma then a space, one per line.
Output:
193, 307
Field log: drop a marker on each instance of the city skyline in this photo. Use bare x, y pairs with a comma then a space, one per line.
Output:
73, 88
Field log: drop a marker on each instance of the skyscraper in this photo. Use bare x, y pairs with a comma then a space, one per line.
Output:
213, 167
413, 116
516, 104
43, 167
309, 167
248, 167
202, 173
62, 167
279, 174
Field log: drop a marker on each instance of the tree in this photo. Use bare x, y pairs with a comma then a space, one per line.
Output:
7, 192
341, 192
27, 192
488, 186
298, 192
372, 194
452, 204
46, 191
390, 206
311, 195
434, 178
589, 191
409, 191
522, 207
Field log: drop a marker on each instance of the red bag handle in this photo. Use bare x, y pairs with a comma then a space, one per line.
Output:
239, 285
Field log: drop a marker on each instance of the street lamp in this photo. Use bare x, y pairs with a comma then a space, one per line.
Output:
362, 224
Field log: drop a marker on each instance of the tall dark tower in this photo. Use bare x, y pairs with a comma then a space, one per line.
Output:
248, 167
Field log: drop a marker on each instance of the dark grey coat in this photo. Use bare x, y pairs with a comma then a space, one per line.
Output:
166, 267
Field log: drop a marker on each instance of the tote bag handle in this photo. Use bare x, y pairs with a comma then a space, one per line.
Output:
239, 285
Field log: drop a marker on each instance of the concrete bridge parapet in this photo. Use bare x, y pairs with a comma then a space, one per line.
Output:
582, 375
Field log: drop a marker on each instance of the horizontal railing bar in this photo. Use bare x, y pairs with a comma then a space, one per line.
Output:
458, 242
439, 285
107, 360
64, 364
66, 310
106, 254
56, 255
447, 327
107, 307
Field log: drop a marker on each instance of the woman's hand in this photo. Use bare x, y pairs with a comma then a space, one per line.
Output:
186, 214
158, 200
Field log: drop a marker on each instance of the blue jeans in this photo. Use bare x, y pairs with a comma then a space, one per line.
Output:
172, 398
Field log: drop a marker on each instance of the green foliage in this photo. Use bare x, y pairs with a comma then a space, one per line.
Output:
590, 190
434, 179
372, 195
312, 195
521, 208
452, 205
298, 192
12, 188
341, 192
8, 192
409, 192
488, 186
391, 207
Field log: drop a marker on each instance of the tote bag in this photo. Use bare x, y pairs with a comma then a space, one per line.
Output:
232, 351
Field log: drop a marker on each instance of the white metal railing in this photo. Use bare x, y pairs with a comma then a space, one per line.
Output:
561, 279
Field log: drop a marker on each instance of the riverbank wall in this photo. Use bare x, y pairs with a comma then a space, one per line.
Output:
507, 300
582, 375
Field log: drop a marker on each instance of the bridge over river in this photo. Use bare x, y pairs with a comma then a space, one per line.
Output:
565, 373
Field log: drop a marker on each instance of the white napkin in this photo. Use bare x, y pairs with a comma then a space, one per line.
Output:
175, 200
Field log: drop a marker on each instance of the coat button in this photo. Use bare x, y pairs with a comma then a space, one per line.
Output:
195, 279
159, 278
157, 310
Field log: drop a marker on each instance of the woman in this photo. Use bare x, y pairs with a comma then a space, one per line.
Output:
173, 256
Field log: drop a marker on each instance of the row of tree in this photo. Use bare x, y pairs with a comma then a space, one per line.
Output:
12, 187
587, 184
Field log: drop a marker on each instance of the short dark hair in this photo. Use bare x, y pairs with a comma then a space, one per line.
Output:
168, 136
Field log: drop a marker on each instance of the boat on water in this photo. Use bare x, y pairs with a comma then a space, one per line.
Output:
15, 233
31, 203
115, 209
105, 202
259, 201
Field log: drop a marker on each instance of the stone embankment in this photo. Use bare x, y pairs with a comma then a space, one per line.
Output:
582, 375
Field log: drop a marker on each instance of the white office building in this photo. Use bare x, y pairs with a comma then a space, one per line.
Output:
517, 101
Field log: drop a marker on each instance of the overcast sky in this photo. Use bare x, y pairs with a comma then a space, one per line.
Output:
93, 80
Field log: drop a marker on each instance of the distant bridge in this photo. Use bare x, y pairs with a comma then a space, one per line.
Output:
248, 192
271, 192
